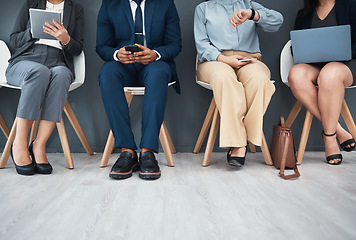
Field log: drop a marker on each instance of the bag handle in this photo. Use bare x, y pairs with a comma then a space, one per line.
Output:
282, 122
284, 158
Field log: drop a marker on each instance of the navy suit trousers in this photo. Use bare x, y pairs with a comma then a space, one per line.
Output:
114, 76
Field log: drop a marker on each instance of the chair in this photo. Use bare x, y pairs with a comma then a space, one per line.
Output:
212, 120
164, 137
286, 63
6, 54
79, 68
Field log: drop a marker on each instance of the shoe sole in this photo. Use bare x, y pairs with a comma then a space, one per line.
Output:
235, 163
150, 176
121, 176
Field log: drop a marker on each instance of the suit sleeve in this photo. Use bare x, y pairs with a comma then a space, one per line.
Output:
21, 31
352, 14
298, 20
105, 35
172, 42
75, 45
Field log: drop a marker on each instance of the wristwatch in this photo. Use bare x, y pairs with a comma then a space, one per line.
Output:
253, 14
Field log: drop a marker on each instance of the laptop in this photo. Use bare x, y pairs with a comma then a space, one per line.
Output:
327, 44
38, 18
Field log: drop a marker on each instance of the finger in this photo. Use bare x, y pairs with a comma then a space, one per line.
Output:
53, 28
57, 24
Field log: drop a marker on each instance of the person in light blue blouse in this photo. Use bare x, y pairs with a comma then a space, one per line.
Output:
230, 60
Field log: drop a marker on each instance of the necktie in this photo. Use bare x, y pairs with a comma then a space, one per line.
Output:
138, 23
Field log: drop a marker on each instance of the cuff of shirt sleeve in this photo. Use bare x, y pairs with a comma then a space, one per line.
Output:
159, 55
263, 16
115, 56
214, 56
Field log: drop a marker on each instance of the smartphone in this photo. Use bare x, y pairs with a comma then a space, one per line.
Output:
132, 48
247, 60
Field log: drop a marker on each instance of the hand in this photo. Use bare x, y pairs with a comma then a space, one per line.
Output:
58, 31
240, 16
233, 60
146, 56
125, 57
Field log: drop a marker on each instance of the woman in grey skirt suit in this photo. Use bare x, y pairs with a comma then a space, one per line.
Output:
44, 70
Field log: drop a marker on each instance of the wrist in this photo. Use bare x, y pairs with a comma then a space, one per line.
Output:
253, 13
65, 43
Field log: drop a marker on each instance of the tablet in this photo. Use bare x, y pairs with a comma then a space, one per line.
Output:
38, 18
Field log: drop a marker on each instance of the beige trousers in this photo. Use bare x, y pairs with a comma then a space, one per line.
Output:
242, 97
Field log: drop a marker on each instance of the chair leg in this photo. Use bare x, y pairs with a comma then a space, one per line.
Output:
65, 146
265, 151
293, 113
304, 138
252, 147
346, 115
6, 153
211, 139
4, 127
109, 148
75, 124
205, 127
163, 137
171, 145
34, 129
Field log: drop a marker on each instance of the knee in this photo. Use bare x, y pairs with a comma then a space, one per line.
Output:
330, 78
108, 74
158, 71
61, 77
297, 77
40, 73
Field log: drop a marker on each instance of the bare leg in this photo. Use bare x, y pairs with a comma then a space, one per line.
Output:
20, 151
39, 146
332, 80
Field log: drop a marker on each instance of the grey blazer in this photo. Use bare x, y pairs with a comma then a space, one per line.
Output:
73, 20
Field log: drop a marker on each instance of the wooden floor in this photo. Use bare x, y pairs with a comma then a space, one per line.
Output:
187, 202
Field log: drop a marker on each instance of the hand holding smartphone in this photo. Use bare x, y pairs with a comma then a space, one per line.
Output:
133, 48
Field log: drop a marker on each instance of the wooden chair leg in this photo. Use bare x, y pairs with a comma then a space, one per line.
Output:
6, 153
346, 115
109, 148
252, 147
293, 113
171, 145
304, 138
75, 124
34, 129
163, 137
4, 127
265, 151
205, 127
65, 146
211, 139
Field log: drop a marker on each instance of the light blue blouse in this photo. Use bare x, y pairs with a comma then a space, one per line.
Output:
213, 31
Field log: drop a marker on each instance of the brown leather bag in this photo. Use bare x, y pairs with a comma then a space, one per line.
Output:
283, 150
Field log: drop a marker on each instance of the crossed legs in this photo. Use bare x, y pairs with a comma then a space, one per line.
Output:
324, 101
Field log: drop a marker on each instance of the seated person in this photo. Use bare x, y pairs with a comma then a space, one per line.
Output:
242, 89
320, 87
120, 23
44, 70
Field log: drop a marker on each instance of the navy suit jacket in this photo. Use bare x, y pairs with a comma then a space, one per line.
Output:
345, 15
116, 29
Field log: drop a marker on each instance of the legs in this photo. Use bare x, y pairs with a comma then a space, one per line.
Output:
155, 77
325, 101
41, 87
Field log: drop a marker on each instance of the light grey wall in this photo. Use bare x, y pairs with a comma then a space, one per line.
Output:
185, 113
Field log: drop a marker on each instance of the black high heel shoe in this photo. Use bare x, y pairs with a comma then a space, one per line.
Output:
23, 170
334, 156
236, 161
41, 168
345, 144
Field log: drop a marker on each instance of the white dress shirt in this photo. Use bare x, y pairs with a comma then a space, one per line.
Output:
133, 6
50, 42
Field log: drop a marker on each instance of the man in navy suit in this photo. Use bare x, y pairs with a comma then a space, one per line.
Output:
153, 26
